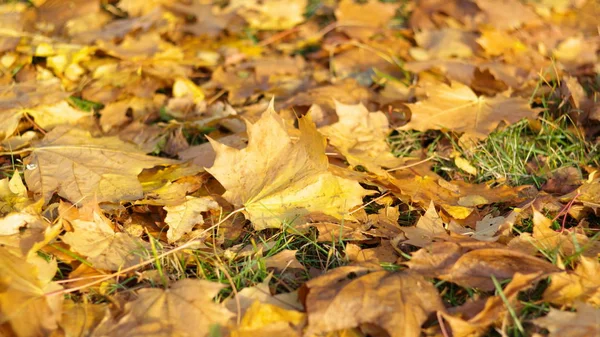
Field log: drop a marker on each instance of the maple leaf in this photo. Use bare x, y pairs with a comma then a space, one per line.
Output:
23, 300
264, 319
544, 237
284, 260
457, 108
429, 226
581, 284
507, 14
443, 44
362, 19
398, 303
360, 136
277, 179
582, 323
79, 167
470, 265
182, 218
272, 14
94, 237
262, 293
185, 309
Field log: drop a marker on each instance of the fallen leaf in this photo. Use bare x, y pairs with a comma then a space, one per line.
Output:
444, 43
457, 108
429, 226
284, 260
263, 319
362, 19
567, 242
185, 309
271, 14
93, 236
23, 300
581, 284
494, 310
262, 293
289, 183
81, 318
459, 264
353, 296
583, 323
80, 168
508, 14
182, 218
360, 136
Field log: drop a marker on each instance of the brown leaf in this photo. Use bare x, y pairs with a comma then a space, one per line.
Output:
182, 218
474, 268
360, 136
346, 297
284, 260
494, 310
93, 236
185, 309
583, 323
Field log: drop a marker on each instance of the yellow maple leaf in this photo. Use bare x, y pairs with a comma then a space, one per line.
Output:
457, 108
360, 136
277, 178
94, 237
23, 303
185, 309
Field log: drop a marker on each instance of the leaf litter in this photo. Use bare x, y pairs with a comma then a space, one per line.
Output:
198, 168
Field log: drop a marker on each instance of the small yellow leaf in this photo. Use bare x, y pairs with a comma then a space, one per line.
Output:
465, 165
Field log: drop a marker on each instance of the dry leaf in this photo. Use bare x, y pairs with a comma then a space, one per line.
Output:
494, 310
185, 309
284, 260
23, 300
429, 226
360, 136
182, 218
457, 108
473, 268
287, 184
583, 323
80, 168
569, 287
270, 14
353, 296
263, 319
93, 236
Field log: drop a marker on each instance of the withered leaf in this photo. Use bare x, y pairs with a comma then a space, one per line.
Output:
360, 136
185, 309
23, 300
182, 218
582, 323
346, 297
278, 179
80, 168
457, 108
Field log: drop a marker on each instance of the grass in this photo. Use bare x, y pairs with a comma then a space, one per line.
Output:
524, 153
